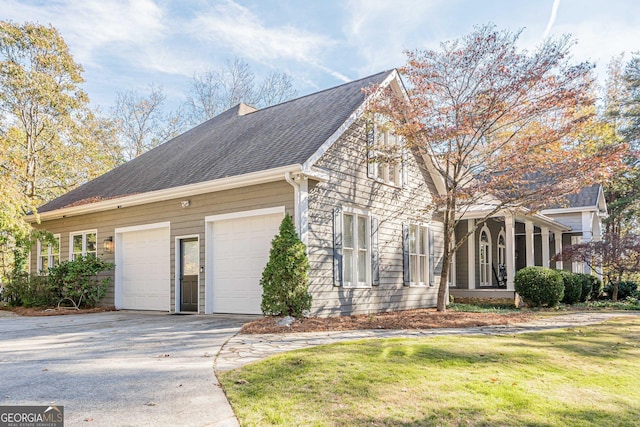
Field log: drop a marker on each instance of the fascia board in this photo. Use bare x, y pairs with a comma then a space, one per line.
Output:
244, 180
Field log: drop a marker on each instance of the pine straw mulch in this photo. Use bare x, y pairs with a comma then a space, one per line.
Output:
40, 311
428, 318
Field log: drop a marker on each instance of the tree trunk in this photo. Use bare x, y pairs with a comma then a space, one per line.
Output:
444, 278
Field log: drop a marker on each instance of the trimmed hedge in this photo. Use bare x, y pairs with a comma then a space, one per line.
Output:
539, 286
572, 287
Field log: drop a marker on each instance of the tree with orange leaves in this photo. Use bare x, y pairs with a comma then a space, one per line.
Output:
502, 127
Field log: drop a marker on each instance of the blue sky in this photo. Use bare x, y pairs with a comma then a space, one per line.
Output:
128, 44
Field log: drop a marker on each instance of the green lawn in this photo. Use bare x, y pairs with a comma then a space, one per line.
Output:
588, 376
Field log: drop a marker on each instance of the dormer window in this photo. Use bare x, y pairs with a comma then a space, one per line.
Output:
385, 155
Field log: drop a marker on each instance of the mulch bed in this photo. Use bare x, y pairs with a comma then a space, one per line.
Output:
410, 319
39, 311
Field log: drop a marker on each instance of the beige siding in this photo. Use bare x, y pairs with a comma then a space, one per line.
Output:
349, 186
184, 221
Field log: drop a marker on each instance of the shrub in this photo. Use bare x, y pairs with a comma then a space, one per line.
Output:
572, 287
626, 288
78, 280
285, 279
591, 287
539, 286
30, 290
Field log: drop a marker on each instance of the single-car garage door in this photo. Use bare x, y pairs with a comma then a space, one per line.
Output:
145, 275
240, 253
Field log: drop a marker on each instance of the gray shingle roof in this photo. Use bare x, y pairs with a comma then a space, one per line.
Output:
230, 145
588, 196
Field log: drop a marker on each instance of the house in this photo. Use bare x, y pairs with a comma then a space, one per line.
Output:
189, 223
487, 262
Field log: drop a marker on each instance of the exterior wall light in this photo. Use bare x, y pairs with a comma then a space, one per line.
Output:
185, 203
107, 245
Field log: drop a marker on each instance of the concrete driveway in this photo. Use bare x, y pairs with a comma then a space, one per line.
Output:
118, 368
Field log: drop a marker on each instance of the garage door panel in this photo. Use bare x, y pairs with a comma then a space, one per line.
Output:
146, 269
241, 251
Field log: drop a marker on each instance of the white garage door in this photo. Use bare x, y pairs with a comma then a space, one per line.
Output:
240, 253
145, 269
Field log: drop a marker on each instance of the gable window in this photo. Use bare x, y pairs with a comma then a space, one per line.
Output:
419, 255
385, 155
83, 243
355, 250
485, 257
48, 254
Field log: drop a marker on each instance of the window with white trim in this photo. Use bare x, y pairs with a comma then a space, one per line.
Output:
386, 156
356, 250
83, 243
419, 258
502, 249
576, 267
48, 254
418, 255
485, 257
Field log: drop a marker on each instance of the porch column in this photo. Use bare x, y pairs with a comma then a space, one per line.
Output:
510, 247
528, 228
545, 246
471, 253
557, 237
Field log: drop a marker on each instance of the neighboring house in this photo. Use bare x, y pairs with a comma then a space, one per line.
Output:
487, 262
189, 223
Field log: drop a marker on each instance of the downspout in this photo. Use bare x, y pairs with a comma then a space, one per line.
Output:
301, 205
296, 200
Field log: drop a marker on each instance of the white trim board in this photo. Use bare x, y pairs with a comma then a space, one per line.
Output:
244, 214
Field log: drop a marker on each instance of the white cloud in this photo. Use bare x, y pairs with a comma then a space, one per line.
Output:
381, 30
90, 25
236, 27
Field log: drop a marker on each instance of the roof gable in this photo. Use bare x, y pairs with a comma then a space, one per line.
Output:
236, 142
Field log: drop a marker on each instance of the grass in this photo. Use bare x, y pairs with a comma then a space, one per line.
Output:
484, 308
586, 376
630, 303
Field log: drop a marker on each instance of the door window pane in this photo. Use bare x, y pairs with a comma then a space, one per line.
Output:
190, 255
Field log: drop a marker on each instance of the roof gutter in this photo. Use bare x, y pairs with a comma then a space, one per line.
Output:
261, 177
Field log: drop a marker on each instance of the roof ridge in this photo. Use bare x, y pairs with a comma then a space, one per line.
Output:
322, 91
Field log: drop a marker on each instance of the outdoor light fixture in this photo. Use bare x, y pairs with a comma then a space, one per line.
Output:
107, 245
185, 203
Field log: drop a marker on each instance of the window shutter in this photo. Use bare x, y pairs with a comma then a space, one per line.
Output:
370, 135
375, 260
405, 254
337, 247
431, 257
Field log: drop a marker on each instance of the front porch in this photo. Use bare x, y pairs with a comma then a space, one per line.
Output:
486, 263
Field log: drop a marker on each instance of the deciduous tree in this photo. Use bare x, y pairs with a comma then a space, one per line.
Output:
501, 127
614, 256
48, 135
215, 91
141, 122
